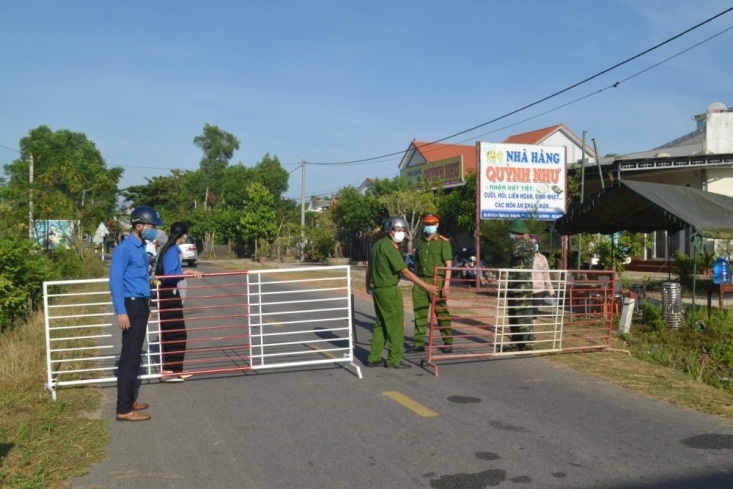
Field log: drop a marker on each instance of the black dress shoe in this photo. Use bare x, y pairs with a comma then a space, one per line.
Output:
373, 364
399, 364
416, 349
447, 349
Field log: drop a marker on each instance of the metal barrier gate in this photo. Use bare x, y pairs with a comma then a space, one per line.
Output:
235, 322
480, 306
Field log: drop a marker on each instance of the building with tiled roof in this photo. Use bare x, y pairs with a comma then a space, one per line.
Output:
447, 163
557, 135
450, 163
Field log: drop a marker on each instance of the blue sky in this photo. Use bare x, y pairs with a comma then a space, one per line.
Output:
338, 81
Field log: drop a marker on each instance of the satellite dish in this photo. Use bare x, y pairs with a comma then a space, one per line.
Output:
717, 107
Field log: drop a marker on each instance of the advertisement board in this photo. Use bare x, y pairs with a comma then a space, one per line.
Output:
518, 181
53, 233
448, 172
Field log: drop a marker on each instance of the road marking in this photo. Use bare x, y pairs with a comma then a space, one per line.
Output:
413, 406
326, 354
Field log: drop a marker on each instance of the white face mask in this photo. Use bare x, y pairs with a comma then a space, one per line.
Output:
398, 236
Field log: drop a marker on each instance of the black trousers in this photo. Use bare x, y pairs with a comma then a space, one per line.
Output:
172, 329
138, 310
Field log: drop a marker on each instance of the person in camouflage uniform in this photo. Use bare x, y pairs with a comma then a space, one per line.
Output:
520, 285
433, 250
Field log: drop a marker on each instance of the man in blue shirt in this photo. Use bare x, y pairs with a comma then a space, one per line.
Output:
129, 283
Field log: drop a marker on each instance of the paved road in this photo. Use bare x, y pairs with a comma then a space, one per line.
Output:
520, 422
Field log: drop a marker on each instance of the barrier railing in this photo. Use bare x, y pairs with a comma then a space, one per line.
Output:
482, 305
235, 322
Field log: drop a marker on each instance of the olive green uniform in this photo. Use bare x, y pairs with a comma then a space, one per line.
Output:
430, 254
520, 292
385, 265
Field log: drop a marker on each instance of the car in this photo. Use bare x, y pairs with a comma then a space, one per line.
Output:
189, 253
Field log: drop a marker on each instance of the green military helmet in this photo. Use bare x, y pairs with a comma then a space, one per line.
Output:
518, 226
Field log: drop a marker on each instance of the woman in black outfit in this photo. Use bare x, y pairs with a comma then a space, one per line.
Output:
170, 306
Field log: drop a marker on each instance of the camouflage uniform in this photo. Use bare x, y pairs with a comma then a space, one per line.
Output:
430, 254
520, 292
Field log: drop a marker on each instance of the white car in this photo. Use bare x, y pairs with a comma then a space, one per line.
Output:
189, 253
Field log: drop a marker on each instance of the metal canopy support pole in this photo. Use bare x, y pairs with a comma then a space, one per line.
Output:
582, 192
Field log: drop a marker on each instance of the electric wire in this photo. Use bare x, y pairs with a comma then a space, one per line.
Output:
539, 101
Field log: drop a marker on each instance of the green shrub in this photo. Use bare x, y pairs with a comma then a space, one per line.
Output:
703, 352
23, 269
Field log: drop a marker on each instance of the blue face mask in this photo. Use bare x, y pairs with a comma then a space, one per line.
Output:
149, 234
430, 229
536, 248
511, 237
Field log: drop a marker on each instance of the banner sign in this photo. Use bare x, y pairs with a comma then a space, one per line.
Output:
518, 181
53, 233
449, 172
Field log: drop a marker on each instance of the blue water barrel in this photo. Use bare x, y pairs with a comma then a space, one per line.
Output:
721, 271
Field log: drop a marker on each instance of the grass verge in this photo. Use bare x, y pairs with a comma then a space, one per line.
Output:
43, 443
650, 380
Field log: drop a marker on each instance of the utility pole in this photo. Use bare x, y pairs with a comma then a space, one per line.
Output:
302, 208
30, 199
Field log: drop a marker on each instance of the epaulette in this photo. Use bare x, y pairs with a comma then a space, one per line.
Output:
443, 237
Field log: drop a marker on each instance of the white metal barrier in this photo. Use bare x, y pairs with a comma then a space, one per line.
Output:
480, 307
235, 322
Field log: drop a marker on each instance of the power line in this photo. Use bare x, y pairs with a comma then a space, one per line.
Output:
597, 92
8, 147
544, 99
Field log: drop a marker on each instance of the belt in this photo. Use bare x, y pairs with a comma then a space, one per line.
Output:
146, 300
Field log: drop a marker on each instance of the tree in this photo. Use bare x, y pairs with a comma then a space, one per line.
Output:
71, 180
356, 215
232, 190
272, 175
257, 218
218, 147
457, 209
410, 202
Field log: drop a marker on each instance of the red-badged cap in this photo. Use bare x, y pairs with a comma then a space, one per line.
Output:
430, 219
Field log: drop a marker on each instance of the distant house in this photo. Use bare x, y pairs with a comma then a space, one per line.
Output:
447, 163
450, 163
367, 184
319, 204
701, 159
557, 135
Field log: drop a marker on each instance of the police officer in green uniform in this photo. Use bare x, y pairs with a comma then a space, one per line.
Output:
386, 265
520, 285
433, 250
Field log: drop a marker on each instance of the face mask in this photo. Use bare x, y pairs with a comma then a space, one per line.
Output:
511, 237
536, 248
398, 236
430, 229
149, 234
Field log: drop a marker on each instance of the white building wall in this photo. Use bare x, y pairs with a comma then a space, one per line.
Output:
719, 132
720, 181
574, 152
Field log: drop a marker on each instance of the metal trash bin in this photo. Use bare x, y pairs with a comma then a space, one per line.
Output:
640, 291
672, 304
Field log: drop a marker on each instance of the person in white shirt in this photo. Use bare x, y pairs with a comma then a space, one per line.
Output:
543, 292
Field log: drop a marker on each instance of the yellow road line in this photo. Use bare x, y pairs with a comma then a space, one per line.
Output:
413, 406
326, 354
